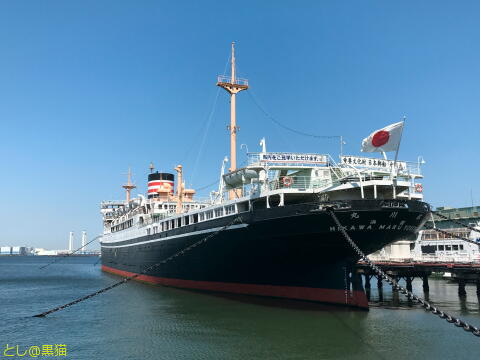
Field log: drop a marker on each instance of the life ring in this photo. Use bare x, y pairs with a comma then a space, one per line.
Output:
418, 188
287, 181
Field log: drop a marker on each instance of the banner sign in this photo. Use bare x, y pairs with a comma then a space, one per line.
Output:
293, 158
373, 163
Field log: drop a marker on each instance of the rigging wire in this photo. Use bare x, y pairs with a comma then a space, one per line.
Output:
295, 131
208, 124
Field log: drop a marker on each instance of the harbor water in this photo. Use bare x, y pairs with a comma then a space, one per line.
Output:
140, 321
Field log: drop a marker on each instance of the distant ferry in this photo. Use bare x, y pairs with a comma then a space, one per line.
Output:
433, 246
267, 230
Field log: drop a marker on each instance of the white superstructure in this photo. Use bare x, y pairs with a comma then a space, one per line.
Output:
269, 180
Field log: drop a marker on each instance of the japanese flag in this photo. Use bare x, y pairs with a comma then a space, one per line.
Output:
386, 139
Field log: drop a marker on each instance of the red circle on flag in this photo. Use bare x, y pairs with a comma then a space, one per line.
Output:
380, 138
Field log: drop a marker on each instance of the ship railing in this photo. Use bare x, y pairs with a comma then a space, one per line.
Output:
450, 258
228, 80
108, 203
298, 182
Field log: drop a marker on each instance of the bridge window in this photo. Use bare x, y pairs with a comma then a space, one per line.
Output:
218, 212
454, 247
428, 249
441, 247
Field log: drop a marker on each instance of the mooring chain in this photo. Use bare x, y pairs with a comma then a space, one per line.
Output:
57, 259
451, 319
128, 278
455, 221
452, 235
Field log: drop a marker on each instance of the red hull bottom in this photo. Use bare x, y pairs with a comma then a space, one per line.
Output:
356, 298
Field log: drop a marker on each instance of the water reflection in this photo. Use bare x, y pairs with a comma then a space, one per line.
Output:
140, 321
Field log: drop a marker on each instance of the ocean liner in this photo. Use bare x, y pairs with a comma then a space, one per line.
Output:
267, 230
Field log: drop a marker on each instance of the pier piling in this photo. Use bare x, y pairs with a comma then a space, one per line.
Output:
461, 287
426, 287
395, 287
379, 282
367, 282
408, 280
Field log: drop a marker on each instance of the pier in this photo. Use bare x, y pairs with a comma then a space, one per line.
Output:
461, 273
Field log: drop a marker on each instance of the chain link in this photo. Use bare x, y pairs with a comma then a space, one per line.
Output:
128, 278
434, 310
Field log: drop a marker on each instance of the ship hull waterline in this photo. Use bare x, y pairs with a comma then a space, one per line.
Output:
292, 252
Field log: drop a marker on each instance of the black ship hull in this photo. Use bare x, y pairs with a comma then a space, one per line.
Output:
294, 251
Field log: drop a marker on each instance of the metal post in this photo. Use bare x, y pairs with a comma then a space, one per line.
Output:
478, 287
379, 282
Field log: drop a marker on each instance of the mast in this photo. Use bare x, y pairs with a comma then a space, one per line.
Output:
129, 186
232, 85
178, 169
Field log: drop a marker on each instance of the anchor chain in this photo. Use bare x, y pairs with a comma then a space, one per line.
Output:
455, 221
57, 259
434, 310
128, 278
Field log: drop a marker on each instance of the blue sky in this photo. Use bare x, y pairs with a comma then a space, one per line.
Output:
89, 88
